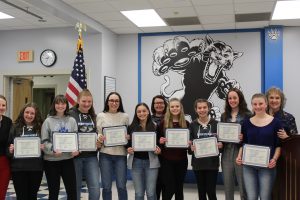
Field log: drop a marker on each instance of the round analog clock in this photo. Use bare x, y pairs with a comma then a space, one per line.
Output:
48, 58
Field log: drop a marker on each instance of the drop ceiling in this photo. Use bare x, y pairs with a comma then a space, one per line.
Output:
183, 15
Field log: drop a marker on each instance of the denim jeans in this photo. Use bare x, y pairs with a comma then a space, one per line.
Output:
144, 179
258, 182
88, 167
113, 165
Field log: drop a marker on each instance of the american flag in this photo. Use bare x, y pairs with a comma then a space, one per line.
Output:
77, 80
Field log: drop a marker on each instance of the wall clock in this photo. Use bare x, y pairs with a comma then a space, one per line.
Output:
48, 58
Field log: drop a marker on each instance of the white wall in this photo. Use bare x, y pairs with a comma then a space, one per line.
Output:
59, 82
127, 75
291, 71
63, 41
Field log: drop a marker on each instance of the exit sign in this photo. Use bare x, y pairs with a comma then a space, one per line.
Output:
25, 56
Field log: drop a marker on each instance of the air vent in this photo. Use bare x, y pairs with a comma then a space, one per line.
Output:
252, 17
181, 21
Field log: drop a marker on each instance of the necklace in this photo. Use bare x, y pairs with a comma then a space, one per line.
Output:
204, 123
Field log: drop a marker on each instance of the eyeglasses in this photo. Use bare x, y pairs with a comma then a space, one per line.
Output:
113, 101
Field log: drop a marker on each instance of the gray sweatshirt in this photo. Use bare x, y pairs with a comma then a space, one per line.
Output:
56, 124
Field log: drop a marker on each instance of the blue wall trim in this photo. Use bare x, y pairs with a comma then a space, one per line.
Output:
273, 57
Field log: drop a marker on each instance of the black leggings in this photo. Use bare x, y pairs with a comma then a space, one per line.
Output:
206, 183
27, 184
65, 169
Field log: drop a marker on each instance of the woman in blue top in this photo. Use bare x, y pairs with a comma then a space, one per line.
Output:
261, 129
236, 111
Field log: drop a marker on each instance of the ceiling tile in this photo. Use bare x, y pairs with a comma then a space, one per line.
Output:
93, 7
216, 19
288, 22
118, 23
123, 5
187, 28
126, 30
222, 9
210, 2
107, 16
254, 7
170, 3
218, 26
156, 29
176, 12
259, 24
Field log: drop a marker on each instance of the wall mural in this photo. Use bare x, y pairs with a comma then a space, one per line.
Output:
201, 64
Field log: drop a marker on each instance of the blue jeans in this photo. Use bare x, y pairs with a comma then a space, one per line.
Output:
88, 167
258, 182
113, 165
144, 179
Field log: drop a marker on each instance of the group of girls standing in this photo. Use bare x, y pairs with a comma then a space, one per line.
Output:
156, 173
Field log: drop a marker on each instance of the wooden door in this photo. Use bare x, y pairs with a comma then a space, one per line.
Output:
22, 94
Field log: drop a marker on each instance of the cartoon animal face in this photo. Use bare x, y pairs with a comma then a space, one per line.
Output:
219, 56
175, 54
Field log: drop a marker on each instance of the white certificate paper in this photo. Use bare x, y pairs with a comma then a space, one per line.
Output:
65, 142
206, 147
87, 141
256, 155
115, 136
27, 147
144, 141
177, 137
229, 132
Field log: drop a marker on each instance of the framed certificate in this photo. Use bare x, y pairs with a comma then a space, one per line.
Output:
229, 132
206, 147
27, 147
177, 137
256, 155
115, 136
87, 141
65, 142
144, 141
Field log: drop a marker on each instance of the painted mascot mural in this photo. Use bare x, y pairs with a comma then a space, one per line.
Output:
202, 64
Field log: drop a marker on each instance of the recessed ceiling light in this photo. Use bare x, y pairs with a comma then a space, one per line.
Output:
5, 16
144, 18
286, 10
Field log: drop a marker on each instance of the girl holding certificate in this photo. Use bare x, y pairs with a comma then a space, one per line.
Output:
235, 111
58, 164
27, 173
86, 163
112, 160
5, 124
143, 164
174, 160
206, 168
261, 129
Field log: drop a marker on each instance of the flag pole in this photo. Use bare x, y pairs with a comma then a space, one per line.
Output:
77, 80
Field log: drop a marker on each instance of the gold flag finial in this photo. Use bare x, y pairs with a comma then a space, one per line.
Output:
80, 27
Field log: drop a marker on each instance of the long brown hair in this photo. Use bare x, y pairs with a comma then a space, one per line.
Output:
169, 117
243, 108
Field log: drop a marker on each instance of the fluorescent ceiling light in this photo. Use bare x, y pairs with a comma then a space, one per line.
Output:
144, 18
5, 16
286, 10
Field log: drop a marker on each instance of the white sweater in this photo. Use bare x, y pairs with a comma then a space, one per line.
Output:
112, 119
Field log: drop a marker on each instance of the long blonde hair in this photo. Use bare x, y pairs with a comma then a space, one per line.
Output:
169, 117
